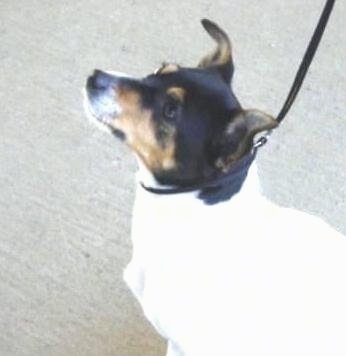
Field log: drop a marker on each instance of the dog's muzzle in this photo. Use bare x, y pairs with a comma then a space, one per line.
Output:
101, 81
101, 88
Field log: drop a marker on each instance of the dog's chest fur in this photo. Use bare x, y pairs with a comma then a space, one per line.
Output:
241, 277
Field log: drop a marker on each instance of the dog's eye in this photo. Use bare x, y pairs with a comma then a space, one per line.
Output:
170, 110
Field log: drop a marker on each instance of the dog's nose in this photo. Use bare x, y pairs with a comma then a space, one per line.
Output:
100, 80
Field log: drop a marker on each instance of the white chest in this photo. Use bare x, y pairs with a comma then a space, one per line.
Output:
242, 277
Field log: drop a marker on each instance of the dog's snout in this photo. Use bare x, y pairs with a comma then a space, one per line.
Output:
100, 80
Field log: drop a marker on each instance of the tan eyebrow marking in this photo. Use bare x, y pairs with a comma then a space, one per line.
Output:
169, 68
177, 93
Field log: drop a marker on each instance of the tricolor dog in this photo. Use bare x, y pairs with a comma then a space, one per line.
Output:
218, 269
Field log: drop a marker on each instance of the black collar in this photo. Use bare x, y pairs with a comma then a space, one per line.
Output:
216, 189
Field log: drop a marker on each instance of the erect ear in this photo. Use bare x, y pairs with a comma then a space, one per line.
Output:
221, 58
237, 139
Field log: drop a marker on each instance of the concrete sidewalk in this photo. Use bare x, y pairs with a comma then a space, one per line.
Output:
67, 189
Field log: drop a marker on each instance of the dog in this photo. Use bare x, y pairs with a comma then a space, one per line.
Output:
217, 268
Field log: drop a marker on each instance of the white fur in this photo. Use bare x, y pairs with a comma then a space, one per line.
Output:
243, 277
90, 114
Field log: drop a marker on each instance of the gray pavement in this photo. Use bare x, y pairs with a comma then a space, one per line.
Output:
67, 189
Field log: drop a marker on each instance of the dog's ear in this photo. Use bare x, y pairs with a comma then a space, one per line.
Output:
237, 138
221, 58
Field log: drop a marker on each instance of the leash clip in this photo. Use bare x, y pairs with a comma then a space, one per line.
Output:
262, 140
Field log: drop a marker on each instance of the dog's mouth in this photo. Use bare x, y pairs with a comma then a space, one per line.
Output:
105, 122
100, 108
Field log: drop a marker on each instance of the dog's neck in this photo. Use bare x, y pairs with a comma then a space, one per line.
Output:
238, 182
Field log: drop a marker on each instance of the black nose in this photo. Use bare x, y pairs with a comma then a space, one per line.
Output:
100, 80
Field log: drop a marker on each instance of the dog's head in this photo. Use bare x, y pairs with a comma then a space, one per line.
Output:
184, 124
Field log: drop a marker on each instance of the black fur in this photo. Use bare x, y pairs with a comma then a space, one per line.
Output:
207, 108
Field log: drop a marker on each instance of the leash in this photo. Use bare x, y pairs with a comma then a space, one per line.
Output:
303, 68
296, 85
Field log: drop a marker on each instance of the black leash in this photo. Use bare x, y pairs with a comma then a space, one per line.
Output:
304, 66
297, 83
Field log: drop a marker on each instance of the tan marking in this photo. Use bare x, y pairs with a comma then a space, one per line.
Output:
254, 121
223, 52
222, 55
177, 93
169, 68
138, 126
